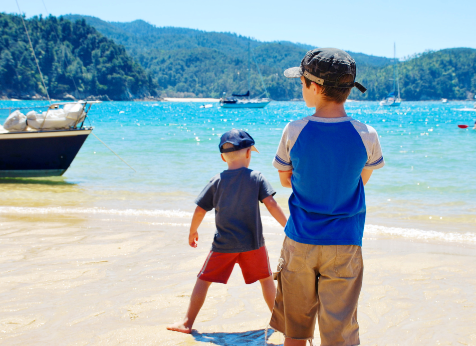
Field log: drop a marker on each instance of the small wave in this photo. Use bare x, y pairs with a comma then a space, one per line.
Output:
95, 211
413, 233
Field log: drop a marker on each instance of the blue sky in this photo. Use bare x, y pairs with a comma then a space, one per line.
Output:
367, 26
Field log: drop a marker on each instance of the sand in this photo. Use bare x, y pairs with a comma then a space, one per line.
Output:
110, 280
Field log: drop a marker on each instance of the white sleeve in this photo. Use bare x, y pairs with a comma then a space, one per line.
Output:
282, 160
372, 145
374, 151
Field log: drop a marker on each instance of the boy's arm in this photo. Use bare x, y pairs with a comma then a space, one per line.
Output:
275, 210
197, 219
366, 173
285, 178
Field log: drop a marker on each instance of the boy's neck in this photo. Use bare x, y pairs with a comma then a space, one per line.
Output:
330, 110
237, 164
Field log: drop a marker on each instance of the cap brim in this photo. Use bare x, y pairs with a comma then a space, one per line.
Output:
253, 148
293, 72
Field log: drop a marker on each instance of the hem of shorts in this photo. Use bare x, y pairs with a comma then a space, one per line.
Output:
236, 250
350, 241
276, 329
212, 281
264, 277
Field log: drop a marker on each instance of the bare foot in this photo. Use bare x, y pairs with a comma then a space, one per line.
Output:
179, 327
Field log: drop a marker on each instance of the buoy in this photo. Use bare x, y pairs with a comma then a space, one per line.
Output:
463, 126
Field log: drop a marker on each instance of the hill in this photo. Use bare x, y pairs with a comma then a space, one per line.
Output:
188, 62
84, 56
73, 57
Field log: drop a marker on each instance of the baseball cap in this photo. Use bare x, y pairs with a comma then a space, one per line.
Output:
240, 140
325, 66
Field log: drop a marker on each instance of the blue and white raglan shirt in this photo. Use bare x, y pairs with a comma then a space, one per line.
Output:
327, 156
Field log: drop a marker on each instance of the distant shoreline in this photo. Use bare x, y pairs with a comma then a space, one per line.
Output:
186, 99
210, 100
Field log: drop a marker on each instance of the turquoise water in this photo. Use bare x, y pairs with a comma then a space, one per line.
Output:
429, 181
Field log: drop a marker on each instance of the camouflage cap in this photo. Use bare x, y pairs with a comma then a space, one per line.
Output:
325, 66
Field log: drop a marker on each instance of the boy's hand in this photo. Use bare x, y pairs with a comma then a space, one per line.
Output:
193, 239
197, 219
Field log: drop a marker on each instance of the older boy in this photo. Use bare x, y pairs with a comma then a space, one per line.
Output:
234, 193
326, 159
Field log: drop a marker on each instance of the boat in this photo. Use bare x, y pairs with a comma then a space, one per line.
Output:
393, 98
235, 102
41, 149
244, 100
42, 144
206, 106
444, 100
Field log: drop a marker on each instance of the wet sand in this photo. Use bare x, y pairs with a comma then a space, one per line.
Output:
109, 280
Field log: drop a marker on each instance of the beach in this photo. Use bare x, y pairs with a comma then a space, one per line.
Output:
109, 280
100, 255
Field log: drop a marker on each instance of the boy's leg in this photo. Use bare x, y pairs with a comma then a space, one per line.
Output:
196, 302
296, 303
339, 288
217, 268
294, 342
269, 291
255, 266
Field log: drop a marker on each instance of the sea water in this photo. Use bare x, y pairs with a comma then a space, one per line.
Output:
427, 189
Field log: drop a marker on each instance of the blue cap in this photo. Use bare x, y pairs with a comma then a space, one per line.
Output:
240, 140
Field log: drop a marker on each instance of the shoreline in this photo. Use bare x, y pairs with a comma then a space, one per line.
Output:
60, 272
214, 100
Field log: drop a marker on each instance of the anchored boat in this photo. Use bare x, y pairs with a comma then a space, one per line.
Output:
391, 99
244, 100
43, 145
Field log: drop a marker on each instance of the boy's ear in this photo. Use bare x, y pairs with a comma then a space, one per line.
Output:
222, 158
248, 153
316, 88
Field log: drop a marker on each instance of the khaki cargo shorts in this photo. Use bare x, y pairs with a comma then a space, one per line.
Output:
318, 281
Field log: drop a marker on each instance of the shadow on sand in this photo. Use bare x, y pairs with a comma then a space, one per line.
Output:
250, 338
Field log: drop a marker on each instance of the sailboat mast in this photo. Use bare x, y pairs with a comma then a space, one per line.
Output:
249, 71
396, 68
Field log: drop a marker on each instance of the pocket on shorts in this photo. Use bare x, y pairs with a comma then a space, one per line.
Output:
293, 256
348, 261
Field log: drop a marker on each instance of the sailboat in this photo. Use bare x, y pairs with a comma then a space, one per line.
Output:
392, 99
244, 100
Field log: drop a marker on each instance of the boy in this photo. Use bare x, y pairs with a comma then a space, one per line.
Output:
234, 194
326, 159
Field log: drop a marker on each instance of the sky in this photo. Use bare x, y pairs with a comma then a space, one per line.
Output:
366, 26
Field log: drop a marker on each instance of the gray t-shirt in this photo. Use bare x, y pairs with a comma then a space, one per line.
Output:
235, 194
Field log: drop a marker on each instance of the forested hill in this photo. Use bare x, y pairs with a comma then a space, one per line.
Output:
74, 58
189, 62
85, 56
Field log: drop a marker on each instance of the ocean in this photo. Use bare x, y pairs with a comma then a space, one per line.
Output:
426, 191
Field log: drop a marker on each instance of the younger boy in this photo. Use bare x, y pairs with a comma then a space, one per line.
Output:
326, 158
234, 193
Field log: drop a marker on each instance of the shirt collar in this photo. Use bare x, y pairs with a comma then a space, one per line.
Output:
328, 120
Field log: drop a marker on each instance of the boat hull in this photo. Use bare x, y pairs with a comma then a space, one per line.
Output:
244, 105
39, 154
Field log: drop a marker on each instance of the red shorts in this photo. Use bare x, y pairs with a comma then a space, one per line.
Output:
254, 266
